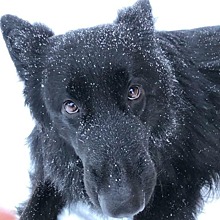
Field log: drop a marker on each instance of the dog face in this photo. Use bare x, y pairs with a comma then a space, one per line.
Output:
98, 88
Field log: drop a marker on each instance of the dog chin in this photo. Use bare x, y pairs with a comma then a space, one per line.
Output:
83, 211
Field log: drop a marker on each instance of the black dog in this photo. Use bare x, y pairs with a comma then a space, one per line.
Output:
127, 118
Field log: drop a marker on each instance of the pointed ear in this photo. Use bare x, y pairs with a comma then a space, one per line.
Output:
139, 15
25, 42
27, 45
137, 23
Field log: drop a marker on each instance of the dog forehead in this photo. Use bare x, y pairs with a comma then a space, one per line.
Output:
92, 78
93, 51
81, 78
82, 43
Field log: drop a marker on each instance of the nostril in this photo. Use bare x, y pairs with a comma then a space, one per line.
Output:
118, 206
94, 173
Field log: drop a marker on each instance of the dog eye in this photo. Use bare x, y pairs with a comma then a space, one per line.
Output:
134, 92
70, 107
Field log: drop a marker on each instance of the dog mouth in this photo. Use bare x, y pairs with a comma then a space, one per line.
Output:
122, 193
120, 200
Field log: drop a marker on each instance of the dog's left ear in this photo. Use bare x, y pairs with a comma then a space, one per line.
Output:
136, 23
139, 16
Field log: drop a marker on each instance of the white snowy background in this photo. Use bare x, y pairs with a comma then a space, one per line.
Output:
61, 16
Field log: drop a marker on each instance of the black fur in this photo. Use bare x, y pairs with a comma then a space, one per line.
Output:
147, 156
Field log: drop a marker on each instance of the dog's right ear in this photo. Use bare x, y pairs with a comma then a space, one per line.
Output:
25, 43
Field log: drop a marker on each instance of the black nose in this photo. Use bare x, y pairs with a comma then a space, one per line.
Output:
124, 204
